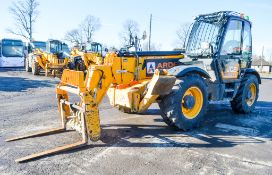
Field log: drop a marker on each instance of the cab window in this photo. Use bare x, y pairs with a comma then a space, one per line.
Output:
247, 44
232, 40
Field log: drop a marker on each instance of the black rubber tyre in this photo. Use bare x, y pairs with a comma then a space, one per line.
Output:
27, 68
46, 72
125, 109
165, 118
239, 103
79, 65
171, 105
35, 68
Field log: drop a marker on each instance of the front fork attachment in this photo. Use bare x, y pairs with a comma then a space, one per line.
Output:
90, 127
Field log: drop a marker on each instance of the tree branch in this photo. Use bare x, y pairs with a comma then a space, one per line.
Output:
25, 14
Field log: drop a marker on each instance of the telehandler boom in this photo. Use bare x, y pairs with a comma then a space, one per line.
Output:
216, 67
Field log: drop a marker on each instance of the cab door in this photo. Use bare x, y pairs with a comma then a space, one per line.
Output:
231, 51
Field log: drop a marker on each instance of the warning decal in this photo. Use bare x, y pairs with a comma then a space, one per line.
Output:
152, 64
150, 67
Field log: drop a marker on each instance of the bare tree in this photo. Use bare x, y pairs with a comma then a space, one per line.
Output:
130, 28
85, 32
89, 26
182, 33
25, 14
74, 36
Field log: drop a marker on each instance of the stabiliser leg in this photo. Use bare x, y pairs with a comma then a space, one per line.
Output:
67, 147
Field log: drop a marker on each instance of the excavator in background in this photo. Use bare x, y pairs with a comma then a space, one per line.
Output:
82, 58
53, 60
215, 67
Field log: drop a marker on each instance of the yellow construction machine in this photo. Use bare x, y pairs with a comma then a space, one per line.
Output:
215, 67
53, 60
133, 83
82, 58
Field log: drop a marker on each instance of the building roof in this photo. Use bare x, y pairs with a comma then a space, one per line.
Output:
259, 62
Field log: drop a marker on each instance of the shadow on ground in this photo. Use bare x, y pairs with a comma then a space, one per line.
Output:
2, 69
222, 128
239, 131
19, 84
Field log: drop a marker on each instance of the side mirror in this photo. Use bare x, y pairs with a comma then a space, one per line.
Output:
106, 49
207, 48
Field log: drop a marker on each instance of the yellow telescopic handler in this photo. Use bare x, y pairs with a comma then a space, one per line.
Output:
82, 58
215, 67
53, 60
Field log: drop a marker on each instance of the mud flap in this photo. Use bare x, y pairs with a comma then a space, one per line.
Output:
163, 85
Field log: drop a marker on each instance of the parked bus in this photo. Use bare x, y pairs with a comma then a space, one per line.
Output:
11, 53
37, 45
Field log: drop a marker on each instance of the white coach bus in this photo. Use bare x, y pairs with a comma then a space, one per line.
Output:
11, 53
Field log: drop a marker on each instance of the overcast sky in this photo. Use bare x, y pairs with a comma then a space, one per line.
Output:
56, 17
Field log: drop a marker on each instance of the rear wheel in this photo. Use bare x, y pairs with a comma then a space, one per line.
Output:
186, 105
124, 109
35, 68
247, 95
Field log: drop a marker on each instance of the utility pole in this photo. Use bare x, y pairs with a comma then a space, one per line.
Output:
149, 41
262, 59
270, 63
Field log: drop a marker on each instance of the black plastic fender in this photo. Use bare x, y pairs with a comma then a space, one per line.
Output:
254, 72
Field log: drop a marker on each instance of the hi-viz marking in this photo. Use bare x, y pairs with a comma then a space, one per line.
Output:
150, 67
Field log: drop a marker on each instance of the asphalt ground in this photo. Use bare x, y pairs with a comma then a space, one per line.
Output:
226, 143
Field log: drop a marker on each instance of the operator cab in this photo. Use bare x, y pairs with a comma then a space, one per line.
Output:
94, 47
222, 41
37, 45
54, 46
58, 48
66, 50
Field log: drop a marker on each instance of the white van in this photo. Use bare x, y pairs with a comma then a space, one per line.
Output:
11, 53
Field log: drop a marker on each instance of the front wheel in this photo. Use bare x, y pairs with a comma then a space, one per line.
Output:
79, 65
27, 68
247, 95
186, 105
35, 68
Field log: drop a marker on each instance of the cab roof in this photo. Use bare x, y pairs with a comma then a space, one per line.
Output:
219, 16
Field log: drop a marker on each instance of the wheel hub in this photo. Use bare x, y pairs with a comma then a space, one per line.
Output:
189, 101
249, 94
